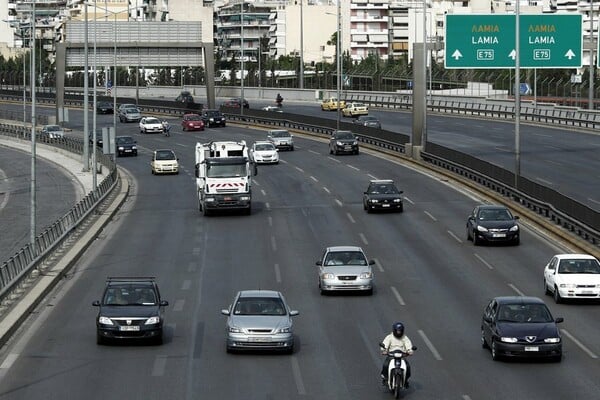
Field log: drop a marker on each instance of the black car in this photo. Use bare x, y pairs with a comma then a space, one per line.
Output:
99, 141
236, 102
131, 308
383, 195
343, 142
492, 223
126, 146
367, 120
213, 118
519, 326
185, 97
105, 107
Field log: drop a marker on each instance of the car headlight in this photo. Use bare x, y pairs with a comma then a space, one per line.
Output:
567, 286
133, 147
234, 329
245, 198
514, 228
286, 329
327, 276
209, 199
366, 275
552, 340
211, 119
121, 147
509, 339
374, 200
397, 200
105, 321
354, 143
339, 143
152, 320
481, 228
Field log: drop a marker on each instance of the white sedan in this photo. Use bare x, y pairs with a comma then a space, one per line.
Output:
265, 153
164, 162
151, 125
572, 276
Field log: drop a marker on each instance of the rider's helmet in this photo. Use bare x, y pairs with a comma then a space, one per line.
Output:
398, 329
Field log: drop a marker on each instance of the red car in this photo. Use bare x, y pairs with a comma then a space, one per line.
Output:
192, 122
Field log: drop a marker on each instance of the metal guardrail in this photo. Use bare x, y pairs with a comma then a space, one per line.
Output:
19, 266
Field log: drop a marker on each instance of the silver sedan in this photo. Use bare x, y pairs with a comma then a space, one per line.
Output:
345, 268
259, 320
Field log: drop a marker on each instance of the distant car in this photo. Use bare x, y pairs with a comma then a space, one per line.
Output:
185, 97
164, 161
52, 132
236, 102
131, 308
572, 277
259, 320
99, 141
272, 108
126, 146
126, 105
192, 122
130, 115
151, 125
345, 268
213, 118
367, 120
383, 195
492, 223
281, 138
104, 107
264, 153
520, 326
355, 109
343, 142
332, 103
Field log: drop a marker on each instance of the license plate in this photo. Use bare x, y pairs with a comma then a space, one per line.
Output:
129, 328
385, 205
587, 292
499, 235
127, 151
227, 198
532, 348
260, 339
348, 147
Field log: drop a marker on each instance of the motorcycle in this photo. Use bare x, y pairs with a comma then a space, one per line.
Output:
396, 378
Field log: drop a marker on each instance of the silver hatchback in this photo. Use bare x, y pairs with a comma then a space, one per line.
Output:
345, 268
259, 320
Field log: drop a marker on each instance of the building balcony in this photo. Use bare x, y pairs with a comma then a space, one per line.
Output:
369, 18
369, 31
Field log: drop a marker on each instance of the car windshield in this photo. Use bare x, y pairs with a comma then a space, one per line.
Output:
264, 146
494, 215
345, 258
344, 135
194, 117
125, 140
152, 121
128, 295
213, 113
280, 134
132, 111
226, 170
53, 128
165, 155
259, 306
383, 189
576, 266
524, 313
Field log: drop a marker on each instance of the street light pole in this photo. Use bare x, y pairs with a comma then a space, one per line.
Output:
94, 177
339, 63
591, 88
302, 44
33, 128
242, 53
86, 90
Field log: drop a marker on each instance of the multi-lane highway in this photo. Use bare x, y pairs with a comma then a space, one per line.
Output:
427, 275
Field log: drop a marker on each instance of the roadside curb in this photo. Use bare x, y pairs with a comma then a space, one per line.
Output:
13, 320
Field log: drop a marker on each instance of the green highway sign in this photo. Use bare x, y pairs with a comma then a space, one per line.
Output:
488, 41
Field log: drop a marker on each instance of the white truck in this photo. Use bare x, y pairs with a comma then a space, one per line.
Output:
224, 173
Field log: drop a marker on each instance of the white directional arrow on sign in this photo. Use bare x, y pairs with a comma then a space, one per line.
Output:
569, 54
456, 55
513, 54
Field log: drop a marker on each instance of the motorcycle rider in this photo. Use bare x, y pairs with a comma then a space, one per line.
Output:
396, 340
279, 100
166, 128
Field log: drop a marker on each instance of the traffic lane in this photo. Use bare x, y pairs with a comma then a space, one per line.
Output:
56, 193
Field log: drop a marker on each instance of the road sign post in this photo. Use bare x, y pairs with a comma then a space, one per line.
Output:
488, 41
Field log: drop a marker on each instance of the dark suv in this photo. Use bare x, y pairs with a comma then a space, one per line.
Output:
126, 146
213, 118
131, 308
343, 142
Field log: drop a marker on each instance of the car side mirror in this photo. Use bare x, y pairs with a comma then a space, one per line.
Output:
319, 263
516, 217
163, 303
96, 303
197, 170
414, 348
487, 319
371, 262
225, 311
293, 313
401, 191
559, 320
